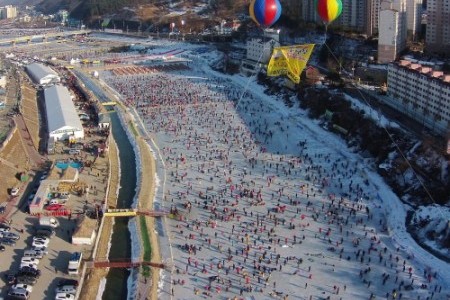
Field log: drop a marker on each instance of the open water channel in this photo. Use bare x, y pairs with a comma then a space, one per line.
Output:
116, 284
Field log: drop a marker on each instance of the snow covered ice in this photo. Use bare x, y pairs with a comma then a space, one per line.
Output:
268, 203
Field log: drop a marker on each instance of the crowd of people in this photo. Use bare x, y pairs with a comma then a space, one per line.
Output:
262, 208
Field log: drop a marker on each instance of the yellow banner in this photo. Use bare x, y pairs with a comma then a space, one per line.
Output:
290, 61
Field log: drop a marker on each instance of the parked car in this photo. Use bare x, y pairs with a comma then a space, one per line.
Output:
30, 260
5, 226
53, 207
2, 248
18, 294
2, 209
23, 286
10, 278
43, 249
26, 279
42, 240
28, 265
15, 191
33, 253
5, 229
45, 233
8, 242
29, 271
39, 243
69, 289
64, 282
64, 296
11, 236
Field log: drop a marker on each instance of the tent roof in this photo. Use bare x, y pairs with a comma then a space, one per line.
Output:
39, 71
60, 109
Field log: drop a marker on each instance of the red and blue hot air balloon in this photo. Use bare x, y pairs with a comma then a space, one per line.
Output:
265, 12
329, 10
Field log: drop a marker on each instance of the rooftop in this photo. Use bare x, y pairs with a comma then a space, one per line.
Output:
85, 228
61, 113
425, 70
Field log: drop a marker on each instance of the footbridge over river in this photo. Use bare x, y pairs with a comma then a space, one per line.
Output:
129, 212
123, 263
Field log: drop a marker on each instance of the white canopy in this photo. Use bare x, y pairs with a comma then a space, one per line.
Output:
61, 113
39, 72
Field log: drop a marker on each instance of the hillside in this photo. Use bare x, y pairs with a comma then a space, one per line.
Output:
142, 10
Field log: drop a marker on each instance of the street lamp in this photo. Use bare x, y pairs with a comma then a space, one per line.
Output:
183, 22
172, 26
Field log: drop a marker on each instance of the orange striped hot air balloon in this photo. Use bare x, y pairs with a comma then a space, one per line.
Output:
329, 10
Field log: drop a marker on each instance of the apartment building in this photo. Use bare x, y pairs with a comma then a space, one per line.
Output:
437, 36
259, 51
392, 30
372, 15
422, 93
414, 16
354, 15
8, 12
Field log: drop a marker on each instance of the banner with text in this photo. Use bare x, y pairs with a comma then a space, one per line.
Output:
289, 61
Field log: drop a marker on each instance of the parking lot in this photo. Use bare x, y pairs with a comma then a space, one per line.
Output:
53, 266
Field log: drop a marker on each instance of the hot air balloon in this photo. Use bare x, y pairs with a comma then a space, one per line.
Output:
329, 10
265, 12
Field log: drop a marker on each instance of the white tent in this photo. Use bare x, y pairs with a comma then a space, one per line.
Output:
62, 118
41, 74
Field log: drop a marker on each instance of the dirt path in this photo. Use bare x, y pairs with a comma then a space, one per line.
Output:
148, 288
93, 276
35, 158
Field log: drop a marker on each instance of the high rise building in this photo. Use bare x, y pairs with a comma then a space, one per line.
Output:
353, 16
400, 6
309, 12
391, 30
437, 37
373, 13
414, 16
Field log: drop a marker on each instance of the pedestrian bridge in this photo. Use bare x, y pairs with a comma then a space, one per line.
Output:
134, 212
123, 263
110, 103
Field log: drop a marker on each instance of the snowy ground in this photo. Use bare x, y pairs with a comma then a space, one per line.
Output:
339, 231
433, 230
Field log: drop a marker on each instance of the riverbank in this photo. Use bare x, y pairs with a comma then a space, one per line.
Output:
94, 276
147, 287
143, 288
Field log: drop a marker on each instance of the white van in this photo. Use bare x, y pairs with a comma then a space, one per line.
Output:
18, 294
74, 151
69, 289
